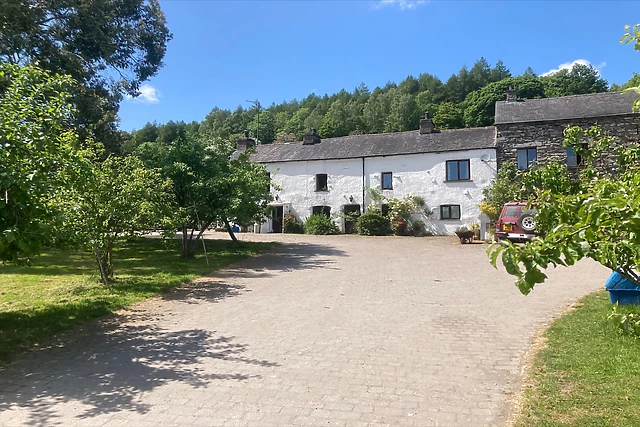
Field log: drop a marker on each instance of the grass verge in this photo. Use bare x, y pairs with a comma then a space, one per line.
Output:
61, 289
586, 374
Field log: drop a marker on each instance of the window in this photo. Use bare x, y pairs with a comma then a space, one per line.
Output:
268, 181
321, 182
574, 160
449, 211
527, 157
321, 210
458, 170
387, 180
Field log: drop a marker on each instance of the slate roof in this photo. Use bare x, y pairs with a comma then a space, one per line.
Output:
565, 107
377, 145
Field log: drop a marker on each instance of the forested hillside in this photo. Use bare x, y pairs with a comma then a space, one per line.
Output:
466, 99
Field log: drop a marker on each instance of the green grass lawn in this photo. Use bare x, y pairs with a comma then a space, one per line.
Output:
588, 373
61, 289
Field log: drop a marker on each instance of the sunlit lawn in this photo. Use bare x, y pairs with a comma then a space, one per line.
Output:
61, 289
588, 374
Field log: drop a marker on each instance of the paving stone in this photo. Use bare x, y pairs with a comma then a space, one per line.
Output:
323, 330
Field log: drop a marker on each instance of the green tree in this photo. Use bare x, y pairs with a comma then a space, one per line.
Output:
122, 199
599, 219
109, 47
581, 79
479, 107
39, 158
263, 127
448, 116
295, 124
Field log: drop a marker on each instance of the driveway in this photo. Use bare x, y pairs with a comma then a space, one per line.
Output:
335, 330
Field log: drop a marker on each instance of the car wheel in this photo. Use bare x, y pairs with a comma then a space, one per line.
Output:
526, 221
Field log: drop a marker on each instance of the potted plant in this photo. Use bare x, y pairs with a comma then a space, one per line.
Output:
475, 227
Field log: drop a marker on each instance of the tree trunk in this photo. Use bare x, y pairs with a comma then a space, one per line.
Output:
230, 230
188, 245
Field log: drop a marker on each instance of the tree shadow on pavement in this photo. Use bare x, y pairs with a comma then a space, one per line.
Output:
116, 365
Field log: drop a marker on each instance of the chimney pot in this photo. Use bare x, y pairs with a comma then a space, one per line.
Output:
512, 94
245, 142
311, 138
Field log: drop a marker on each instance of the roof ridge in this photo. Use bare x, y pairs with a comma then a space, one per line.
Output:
571, 96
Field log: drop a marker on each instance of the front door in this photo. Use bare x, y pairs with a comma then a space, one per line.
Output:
277, 215
351, 214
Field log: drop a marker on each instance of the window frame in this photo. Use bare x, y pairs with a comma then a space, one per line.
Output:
321, 211
578, 157
382, 174
326, 182
529, 162
468, 161
442, 210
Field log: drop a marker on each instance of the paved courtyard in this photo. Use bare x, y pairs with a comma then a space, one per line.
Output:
337, 330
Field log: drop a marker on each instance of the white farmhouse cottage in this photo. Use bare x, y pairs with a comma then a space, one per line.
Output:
448, 169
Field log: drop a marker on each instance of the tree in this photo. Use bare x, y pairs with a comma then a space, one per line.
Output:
246, 193
448, 116
109, 47
122, 199
263, 127
479, 106
581, 79
598, 220
196, 170
39, 158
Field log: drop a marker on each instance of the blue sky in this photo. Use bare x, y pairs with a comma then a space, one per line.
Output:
225, 53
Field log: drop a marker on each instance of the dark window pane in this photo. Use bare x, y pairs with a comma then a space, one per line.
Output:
455, 212
532, 156
464, 169
444, 212
321, 182
387, 181
511, 212
452, 171
522, 159
572, 159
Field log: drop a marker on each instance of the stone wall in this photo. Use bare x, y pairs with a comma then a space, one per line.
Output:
547, 137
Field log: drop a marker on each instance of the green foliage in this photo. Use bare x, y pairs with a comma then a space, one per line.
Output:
448, 116
372, 223
122, 199
291, 225
108, 47
628, 322
320, 224
479, 106
581, 79
59, 290
504, 188
598, 219
632, 36
39, 158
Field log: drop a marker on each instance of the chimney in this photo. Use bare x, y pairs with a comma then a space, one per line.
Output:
512, 95
245, 142
426, 124
311, 138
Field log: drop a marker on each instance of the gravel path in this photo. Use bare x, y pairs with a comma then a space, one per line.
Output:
336, 330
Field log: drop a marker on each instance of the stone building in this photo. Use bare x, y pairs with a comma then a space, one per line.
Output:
448, 169
531, 130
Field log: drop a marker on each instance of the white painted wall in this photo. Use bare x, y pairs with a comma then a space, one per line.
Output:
418, 174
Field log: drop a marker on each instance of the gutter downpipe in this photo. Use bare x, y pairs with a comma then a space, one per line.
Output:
364, 208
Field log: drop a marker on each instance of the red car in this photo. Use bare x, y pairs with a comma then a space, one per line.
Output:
516, 222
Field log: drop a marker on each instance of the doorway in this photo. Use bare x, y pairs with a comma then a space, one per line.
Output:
351, 214
277, 215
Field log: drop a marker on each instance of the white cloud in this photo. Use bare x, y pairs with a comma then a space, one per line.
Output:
402, 4
148, 95
569, 66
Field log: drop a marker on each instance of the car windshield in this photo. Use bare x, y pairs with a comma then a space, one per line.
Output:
511, 212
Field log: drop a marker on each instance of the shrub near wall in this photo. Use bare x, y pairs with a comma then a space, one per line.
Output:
291, 225
373, 223
320, 224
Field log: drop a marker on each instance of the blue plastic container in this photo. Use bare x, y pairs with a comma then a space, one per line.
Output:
622, 290
235, 229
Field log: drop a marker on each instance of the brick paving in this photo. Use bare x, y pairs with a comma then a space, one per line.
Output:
338, 330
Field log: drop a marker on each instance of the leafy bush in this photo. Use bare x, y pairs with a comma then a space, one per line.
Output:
320, 224
372, 223
291, 225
